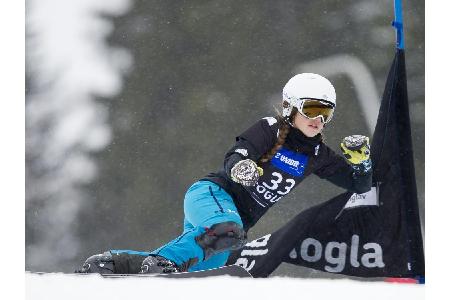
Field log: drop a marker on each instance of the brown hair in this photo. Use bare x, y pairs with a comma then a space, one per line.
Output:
282, 134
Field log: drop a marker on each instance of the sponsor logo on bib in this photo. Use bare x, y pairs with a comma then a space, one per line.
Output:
290, 162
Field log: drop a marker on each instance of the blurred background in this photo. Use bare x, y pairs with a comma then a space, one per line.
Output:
130, 102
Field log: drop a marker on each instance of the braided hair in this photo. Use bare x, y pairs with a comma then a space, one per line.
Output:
282, 134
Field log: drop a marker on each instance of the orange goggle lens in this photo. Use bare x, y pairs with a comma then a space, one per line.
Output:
315, 108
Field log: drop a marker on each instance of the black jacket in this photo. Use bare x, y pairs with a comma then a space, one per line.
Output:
299, 157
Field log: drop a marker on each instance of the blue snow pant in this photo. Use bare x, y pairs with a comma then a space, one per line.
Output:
205, 204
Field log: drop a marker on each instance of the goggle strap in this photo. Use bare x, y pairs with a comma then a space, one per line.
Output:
326, 102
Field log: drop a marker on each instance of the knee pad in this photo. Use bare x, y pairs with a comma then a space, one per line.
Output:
221, 237
99, 263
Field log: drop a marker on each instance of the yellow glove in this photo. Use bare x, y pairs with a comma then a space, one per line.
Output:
356, 149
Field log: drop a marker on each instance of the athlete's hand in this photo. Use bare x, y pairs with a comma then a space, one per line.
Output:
356, 149
246, 172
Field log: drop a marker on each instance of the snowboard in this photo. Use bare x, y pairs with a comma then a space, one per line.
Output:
234, 271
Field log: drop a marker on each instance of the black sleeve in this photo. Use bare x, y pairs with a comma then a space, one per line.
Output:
253, 143
335, 169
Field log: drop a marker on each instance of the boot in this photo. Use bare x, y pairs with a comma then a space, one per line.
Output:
99, 263
158, 264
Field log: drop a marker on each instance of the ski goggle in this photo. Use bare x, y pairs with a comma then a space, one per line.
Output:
313, 109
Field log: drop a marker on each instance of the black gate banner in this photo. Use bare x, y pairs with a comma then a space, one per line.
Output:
376, 234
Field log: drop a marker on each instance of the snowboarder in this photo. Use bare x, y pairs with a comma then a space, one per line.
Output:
268, 160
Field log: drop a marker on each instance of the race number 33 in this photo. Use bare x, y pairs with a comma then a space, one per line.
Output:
275, 184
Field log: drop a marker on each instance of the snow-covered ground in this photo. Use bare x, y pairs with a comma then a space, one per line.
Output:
70, 286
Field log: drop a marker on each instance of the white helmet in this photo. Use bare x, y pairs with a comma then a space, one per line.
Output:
307, 86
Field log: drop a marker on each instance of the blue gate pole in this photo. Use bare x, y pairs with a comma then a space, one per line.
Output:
398, 24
